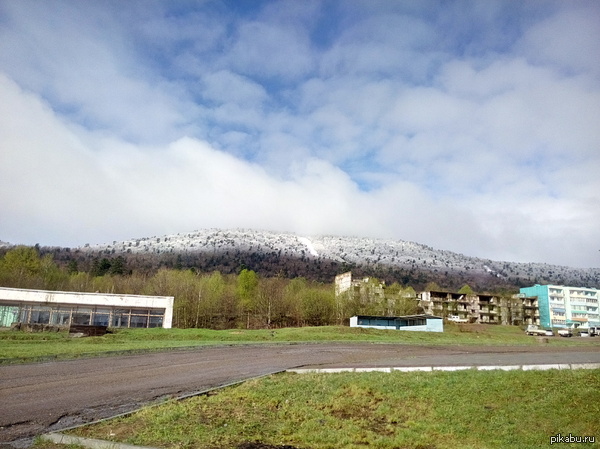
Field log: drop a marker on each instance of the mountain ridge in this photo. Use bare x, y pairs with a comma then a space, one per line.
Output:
369, 255
321, 258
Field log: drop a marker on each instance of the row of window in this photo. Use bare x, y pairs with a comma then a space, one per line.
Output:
575, 303
573, 293
584, 308
65, 315
392, 322
581, 293
579, 314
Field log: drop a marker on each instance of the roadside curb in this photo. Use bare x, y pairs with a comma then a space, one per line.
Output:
90, 443
559, 366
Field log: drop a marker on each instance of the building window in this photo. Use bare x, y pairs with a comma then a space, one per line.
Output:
101, 317
155, 321
138, 321
120, 318
81, 316
61, 316
8, 315
39, 314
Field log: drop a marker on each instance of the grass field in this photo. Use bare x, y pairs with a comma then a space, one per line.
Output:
439, 410
16, 346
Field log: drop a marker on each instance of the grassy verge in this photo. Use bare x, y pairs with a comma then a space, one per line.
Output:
440, 410
20, 346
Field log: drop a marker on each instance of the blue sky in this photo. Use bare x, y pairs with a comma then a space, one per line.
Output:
471, 126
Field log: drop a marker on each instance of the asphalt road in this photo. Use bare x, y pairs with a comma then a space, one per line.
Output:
41, 397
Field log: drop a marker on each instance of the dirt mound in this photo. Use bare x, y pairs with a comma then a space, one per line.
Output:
259, 445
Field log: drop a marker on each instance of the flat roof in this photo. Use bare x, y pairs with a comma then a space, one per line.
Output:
57, 292
87, 298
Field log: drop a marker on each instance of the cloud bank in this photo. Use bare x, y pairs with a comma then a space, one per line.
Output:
466, 126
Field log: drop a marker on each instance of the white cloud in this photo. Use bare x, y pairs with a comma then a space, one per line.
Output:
270, 51
88, 71
397, 120
568, 39
225, 86
47, 177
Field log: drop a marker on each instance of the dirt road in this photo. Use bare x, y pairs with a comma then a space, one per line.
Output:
36, 398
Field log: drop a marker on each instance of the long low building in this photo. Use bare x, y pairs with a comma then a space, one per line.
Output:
426, 323
100, 309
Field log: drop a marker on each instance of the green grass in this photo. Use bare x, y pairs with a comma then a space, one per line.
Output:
18, 346
439, 410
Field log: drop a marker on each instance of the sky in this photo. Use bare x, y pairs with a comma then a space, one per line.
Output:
470, 126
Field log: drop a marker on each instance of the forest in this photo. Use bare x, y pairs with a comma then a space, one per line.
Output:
212, 299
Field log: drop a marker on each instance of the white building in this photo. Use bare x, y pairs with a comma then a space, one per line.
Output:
101, 309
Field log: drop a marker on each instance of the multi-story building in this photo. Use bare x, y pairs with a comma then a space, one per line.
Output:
369, 296
365, 287
481, 308
562, 306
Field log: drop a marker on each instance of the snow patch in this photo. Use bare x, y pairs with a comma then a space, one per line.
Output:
309, 245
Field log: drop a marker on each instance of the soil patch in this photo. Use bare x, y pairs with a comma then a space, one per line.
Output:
259, 445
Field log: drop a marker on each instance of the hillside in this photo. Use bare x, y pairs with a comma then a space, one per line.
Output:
322, 257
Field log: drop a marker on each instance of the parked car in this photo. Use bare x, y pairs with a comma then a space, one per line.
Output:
457, 319
549, 333
534, 329
565, 333
594, 331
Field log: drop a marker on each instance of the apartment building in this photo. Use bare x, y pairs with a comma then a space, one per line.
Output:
562, 306
481, 308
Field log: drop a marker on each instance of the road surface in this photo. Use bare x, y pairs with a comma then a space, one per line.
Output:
37, 398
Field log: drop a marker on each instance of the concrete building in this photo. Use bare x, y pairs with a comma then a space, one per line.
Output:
526, 309
366, 288
101, 309
481, 308
560, 306
426, 323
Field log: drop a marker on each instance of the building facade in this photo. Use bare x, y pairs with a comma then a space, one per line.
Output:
426, 323
479, 308
561, 306
365, 287
100, 309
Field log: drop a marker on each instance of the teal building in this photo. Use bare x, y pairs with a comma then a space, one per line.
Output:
560, 306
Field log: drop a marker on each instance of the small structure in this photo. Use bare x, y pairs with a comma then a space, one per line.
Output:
64, 309
426, 323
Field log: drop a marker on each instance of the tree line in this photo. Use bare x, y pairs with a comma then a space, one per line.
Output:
208, 299
273, 264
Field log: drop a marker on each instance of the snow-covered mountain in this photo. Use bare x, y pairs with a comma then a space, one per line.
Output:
365, 254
